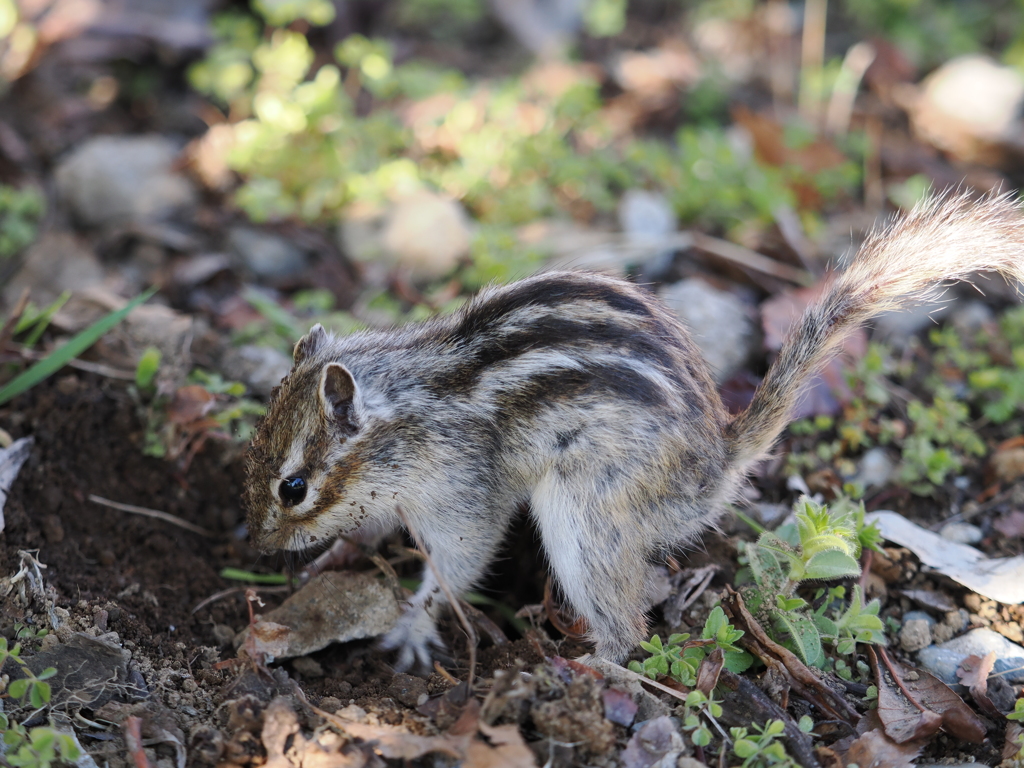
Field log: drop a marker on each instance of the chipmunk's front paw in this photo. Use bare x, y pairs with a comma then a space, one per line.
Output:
415, 636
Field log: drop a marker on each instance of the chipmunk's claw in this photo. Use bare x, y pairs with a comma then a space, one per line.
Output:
416, 639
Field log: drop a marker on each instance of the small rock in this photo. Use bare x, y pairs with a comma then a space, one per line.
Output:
915, 634
719, 322
970, 107
875, 468
408, 689
943, 660
652, 743
259, 368
425, 235
55, 263
918, 616
647, 219
645, 215
649, 706
962, 533
117, 180
266, 255
330, 704
307, 667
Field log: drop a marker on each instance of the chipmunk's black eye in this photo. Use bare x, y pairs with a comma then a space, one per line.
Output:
292, 491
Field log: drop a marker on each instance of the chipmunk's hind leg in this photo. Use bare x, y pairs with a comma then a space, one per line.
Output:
597, 564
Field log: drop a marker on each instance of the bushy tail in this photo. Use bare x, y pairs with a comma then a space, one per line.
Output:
906, 262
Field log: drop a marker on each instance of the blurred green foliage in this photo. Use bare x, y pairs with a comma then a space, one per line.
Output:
307, 143
20, 212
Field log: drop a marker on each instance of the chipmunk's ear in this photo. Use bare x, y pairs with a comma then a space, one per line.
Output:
310, 343
337, 390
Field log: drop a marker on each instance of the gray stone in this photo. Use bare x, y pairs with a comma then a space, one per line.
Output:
647, 219
425, 235
118, 180
943, 660
266, 255
962, 533
718, 321
645, 215
915, 634
57, 262
334, 607
649, 706
655, 743
259, 368
875, 468
971, 316
918, 616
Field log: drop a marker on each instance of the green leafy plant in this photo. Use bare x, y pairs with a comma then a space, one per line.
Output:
758, 746
822, 545
696, 706
679, 658
146, 369
41, 746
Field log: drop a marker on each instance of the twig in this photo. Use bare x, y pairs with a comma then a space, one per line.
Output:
749, 259
167, 517
844, 92
787, 660
812, 58
586, 658
445, 673
235, 590
452, 598
133, 737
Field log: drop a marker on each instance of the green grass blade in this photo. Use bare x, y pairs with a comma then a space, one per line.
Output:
69, 351
237, 574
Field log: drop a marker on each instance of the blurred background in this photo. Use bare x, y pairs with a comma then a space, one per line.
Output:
272, 164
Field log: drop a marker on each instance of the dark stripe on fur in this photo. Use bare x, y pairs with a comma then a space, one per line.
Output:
483, 317
556, 333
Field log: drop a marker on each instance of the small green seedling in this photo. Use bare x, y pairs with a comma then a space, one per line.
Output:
679, 658
823, 545
696, 706
38, 747
758, 746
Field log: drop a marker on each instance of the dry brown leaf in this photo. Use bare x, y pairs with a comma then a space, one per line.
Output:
476, 744
501, 747
973, 672
914, 704
875, 748
189, 404
1012, 743
709, 671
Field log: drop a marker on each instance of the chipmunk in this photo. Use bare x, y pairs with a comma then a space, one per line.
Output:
580, 394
